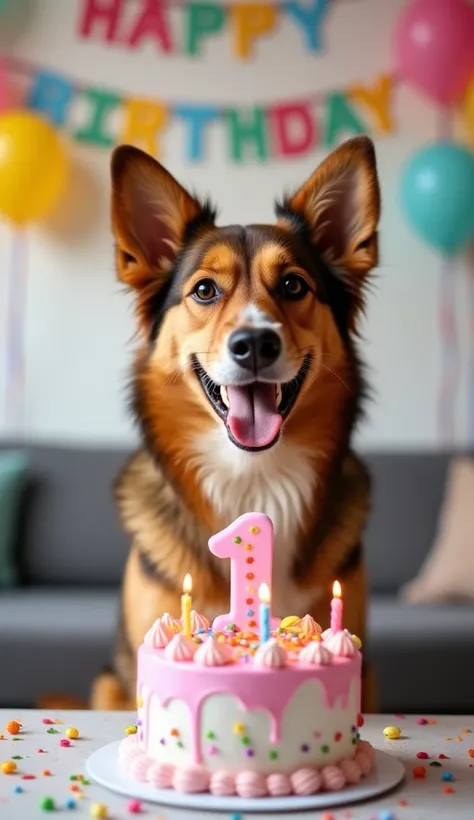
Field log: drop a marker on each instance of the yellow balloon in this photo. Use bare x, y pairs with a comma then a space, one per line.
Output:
32, 166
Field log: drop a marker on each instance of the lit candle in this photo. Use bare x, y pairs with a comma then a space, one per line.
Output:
336, 608
264, 596
248, 542
186, 602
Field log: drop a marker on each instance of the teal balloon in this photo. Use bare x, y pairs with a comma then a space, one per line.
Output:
438, 195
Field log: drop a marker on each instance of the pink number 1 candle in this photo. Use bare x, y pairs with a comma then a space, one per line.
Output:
248, 542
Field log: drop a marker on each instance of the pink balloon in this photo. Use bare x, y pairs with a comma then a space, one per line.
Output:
434, 47
3, 89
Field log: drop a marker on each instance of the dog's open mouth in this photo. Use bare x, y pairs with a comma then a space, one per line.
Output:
252, 413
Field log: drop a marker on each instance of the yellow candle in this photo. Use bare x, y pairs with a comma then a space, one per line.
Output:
186, 602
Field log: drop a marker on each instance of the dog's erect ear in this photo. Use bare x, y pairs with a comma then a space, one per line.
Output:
151, 216
340, 205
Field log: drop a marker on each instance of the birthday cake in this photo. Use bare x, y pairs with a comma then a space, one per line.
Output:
249, 705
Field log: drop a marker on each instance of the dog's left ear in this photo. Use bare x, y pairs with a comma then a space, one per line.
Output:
340, 205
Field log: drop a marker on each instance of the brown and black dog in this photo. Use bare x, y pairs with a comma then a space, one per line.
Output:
246, 387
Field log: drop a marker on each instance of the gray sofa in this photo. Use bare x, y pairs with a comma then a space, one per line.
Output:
57, 628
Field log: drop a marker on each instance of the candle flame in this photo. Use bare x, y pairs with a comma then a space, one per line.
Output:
187, 583
336, 590
264, 593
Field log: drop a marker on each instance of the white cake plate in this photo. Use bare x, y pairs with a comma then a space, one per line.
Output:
103, 767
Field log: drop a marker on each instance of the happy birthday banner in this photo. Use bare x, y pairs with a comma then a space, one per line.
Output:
286, 129
115, 22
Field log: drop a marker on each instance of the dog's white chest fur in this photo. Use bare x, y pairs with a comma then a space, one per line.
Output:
279, 483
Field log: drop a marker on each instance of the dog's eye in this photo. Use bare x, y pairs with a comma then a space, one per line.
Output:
293, 287
205, 291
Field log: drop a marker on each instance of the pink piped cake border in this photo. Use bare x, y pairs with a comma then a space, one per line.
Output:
194, 779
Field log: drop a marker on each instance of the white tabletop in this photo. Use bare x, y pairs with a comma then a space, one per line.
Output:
415, 799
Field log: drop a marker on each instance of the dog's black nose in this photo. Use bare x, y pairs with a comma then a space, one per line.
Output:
254, 348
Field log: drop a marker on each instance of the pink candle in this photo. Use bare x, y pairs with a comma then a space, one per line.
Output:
248, 542
336, 608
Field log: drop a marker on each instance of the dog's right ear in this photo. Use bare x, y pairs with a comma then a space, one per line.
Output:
152, 215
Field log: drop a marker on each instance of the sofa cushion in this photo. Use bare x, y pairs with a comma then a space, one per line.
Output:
408, 490
13, 465
422, 655
54, 641
71, 533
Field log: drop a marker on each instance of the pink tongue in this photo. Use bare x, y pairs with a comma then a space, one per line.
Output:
253, 418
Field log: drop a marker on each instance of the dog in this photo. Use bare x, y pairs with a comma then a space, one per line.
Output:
246, 387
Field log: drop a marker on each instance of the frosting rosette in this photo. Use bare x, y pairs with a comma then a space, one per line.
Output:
316, 653
198, 621
159, 635
169, 621
309, 626
212, 653
341, 644
180, 648
270, 655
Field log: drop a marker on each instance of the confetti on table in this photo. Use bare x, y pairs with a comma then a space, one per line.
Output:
419, 771
47, 804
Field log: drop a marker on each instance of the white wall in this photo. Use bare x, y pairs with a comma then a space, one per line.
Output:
79, 324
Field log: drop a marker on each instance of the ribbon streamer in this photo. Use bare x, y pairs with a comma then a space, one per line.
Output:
15, 342
449, 354
470, 384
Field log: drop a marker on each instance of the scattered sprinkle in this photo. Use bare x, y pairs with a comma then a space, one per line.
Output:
419, 771
180, 744
386, 815
17, 789
28, 777
73, 777
211, 736
422, 755
17, 757
237, 539
52, 731
392, 732
249, 752
47, 804
64, 742
13, 727
447, 776
328, 816
443, 757
325, 750
46, 773
212, 750
422, 722
245, 740
8, 767
99, 810
134, 806
448, 789
72, 733
435, 763
338, 737
41, 751
470, 752
47, 721
273, 754
174, 732
70, 803
238, 728
448, 738
131, 730
465, 731
305, 747
403, 802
